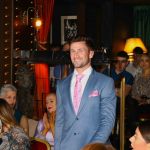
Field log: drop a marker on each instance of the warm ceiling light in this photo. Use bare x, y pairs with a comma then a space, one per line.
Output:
132, 43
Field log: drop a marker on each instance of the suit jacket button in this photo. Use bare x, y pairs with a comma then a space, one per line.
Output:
75, 133
77, 118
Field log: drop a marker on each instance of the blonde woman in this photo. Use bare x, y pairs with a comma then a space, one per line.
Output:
45, 127
140, 88
13, 137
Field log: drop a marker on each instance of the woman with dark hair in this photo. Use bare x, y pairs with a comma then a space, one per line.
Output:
141, 139
12, 136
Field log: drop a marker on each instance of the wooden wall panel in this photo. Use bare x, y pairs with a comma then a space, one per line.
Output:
6, 41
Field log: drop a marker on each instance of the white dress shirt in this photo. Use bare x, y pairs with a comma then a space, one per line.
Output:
84, 80
131, 68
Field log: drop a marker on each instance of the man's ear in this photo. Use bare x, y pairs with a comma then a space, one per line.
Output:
91, 54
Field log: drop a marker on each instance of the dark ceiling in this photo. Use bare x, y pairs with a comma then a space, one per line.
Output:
133, 1
101, 1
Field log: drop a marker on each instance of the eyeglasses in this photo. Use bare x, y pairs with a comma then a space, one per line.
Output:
121, 61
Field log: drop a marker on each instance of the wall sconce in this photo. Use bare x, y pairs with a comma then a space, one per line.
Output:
132, 43
35, 21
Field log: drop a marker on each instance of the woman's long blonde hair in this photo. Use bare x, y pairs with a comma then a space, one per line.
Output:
52, 116
6, 114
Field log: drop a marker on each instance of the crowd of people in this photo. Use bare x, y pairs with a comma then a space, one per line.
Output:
137, 81
82, 113
9, 93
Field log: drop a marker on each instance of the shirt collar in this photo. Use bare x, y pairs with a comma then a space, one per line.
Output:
86, 72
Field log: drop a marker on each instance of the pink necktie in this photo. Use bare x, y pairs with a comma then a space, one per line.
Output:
77, 93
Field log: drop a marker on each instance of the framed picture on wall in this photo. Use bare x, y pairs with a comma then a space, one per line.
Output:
69, 28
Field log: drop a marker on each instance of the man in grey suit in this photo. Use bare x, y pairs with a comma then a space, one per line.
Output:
85, 107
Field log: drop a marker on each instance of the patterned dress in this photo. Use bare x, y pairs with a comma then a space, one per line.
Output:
15, 139
141, 87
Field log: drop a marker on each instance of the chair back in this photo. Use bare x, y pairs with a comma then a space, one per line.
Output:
39, 144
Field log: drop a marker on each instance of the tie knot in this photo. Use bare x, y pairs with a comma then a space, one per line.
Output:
79, 77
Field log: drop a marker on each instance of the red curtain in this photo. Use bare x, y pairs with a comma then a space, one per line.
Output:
45, 12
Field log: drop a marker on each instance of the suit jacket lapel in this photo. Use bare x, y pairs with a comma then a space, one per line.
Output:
86, 92
68, 93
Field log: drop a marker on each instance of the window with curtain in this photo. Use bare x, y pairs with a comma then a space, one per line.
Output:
142, 23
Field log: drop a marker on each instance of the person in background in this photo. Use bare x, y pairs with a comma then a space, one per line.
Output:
67, 68
12, 136
141, 139
45, 127
141, 84
133, 67
119, 71
66, 47
86, 101
9, 93
63, 70
141, 87
54, 69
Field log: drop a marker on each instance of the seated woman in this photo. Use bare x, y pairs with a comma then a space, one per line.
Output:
140, 88
141, 139
45, 127
9, 92
12, 136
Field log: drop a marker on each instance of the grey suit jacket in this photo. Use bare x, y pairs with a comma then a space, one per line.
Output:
95, 118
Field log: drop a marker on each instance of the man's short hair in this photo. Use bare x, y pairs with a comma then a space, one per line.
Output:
123, 54
83, 38
138, 50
